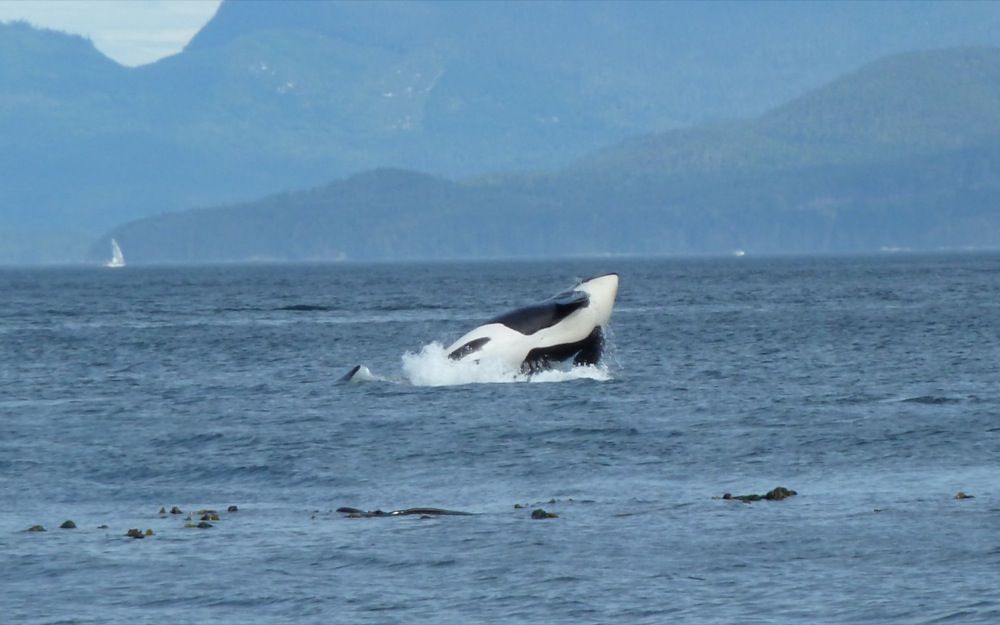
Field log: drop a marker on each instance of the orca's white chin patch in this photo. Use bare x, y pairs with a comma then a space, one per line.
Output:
567, 327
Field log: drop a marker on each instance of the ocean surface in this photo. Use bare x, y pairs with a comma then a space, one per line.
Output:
869, 385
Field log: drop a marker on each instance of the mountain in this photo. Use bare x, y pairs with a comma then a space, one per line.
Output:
904, 153
914, 103
272, 96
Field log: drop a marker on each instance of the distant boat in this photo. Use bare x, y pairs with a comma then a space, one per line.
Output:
739, 253
117, 258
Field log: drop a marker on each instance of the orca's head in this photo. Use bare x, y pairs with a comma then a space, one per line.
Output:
602, 291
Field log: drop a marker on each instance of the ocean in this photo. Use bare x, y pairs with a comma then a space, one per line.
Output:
868, 385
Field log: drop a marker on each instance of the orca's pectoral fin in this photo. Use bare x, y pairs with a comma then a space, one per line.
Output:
591, 349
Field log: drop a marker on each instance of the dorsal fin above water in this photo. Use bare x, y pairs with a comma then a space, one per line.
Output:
350, 374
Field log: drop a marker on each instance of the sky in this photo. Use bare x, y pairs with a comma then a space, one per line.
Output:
133, 32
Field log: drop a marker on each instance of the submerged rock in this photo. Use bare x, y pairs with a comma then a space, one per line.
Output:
175, 510
232, 509
68, 525
961, 495
102, 526
204, 525
149, 532
135, 533
36, 528
539, 513
163, 510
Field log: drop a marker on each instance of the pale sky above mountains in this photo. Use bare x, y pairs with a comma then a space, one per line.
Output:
132, 33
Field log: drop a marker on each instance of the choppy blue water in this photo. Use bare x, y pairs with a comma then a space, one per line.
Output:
869, 385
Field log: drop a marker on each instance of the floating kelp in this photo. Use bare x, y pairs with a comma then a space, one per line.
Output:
356, 513
777, 494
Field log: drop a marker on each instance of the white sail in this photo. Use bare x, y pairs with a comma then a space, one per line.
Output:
117, 258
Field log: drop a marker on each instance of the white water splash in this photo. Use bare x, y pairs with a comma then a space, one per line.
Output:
432, 367
583, 372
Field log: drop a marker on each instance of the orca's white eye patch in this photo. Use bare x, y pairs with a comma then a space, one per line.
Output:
469, 348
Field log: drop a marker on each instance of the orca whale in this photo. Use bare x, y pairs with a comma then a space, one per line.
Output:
568, 326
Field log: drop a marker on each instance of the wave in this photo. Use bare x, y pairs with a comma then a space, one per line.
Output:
930, 400
307, 308
432, 367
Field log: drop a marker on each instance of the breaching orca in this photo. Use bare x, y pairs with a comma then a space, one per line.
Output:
567, 326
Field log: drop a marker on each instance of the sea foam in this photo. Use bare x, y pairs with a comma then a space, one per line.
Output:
432, 367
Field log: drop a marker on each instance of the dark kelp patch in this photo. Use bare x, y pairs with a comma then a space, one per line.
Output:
357, 513
777, 494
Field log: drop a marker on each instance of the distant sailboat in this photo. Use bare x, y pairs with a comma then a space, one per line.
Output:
117, 258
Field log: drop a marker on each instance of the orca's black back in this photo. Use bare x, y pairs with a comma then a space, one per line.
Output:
531, 319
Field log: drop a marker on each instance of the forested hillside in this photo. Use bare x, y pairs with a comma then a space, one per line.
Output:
904, 153
276, 96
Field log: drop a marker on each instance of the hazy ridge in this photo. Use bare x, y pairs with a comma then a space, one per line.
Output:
903, 154
272, 97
